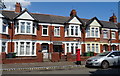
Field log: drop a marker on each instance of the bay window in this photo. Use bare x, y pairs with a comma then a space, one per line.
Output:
25, 48
92, 32
71, 47
25, 27
92, 47
73, 31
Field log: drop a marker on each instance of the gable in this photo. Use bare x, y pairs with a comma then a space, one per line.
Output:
75, 21
25, 15
95, 23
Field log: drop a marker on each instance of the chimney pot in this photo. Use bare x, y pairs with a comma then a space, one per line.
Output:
73, 13
18, 7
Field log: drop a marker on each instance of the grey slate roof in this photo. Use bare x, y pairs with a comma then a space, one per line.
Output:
45, 18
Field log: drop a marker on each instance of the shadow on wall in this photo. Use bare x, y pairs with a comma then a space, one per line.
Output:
114, 71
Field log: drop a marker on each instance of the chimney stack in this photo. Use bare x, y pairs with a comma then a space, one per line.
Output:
73, 13
113, 18
18, 7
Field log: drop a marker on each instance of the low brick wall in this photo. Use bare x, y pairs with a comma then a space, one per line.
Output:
39, 58
55, 57
71, 57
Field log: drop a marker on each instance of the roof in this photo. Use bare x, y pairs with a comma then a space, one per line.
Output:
46, 18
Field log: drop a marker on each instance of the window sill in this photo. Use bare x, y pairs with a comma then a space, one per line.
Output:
45, 35
25, 55
56, 36
23, 34
5, 33
72, 36
92, 37
105, 38
113, 38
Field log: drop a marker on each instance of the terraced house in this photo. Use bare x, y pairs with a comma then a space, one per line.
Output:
28, 34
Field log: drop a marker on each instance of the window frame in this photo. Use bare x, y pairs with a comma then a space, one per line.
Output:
92, 31
4, 45
25, 48
18, 27
4, 22
105, 33
114, 35
69, 28
46, 29
56, 28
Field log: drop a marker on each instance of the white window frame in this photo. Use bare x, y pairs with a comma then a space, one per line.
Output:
91, 47
68, 30
105, 31
119, 35
18, 27
90, 32
6, 24
19, 44
112, 35
75, 44
5, 45
43, 29
56, 28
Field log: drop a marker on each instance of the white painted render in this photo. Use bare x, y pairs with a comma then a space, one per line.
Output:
75, 21
95, 24
25, 15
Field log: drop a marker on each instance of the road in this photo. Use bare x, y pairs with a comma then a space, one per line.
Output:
83, 70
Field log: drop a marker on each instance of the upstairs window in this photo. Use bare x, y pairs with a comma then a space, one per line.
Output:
105, 34
45, 30
4, 27
119, 35
92, 32
113, 35
22, 27
73, 31
25, 27
57, 31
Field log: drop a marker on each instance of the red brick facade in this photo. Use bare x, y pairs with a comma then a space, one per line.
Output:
51, 41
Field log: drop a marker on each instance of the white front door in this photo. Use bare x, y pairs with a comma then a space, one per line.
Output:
45, 51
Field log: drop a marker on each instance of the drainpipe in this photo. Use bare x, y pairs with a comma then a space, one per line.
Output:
12, 28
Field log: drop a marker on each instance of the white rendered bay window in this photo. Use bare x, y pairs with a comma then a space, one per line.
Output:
25, 49
73, 31
93, 32
25, 27
71, 48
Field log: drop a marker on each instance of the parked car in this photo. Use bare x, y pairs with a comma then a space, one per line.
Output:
105, 59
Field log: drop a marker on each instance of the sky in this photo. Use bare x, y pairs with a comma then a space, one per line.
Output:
88, 10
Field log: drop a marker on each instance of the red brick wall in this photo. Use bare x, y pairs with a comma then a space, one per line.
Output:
10, 47
39, 58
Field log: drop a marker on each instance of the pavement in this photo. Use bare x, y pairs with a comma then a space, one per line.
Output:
41, 66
